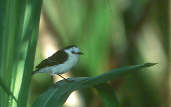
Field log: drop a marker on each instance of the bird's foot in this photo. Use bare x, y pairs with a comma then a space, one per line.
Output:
68, 80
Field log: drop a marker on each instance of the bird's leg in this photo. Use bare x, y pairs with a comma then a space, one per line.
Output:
63, 77
52, 78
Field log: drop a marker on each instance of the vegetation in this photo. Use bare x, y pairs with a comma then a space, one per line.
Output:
111, 33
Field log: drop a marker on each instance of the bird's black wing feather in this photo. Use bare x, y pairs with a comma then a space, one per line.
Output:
57, 58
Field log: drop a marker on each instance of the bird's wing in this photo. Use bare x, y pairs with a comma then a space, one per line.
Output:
57, 58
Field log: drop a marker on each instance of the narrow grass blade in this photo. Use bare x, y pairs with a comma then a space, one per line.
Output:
6, 89
31, 36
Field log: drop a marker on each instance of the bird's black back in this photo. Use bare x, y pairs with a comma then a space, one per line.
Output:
57, 58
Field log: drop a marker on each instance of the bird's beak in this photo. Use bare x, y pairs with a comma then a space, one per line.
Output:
80, 53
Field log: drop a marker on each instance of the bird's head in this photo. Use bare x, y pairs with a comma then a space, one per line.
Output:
73, 49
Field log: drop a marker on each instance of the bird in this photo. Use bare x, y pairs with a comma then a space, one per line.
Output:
60, 62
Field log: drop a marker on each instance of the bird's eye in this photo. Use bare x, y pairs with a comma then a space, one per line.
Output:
73, 52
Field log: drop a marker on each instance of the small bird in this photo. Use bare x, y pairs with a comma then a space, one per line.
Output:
60, 62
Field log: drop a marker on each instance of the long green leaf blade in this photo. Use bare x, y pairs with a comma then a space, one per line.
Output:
6, 89
56, 95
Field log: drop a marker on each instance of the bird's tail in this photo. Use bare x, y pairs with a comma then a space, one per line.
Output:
34, 72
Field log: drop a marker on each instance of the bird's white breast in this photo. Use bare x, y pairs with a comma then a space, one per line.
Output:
66, 66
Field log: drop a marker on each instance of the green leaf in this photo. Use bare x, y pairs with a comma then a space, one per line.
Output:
57, 94
30, 34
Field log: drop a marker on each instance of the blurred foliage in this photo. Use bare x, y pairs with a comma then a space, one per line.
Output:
113, 33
